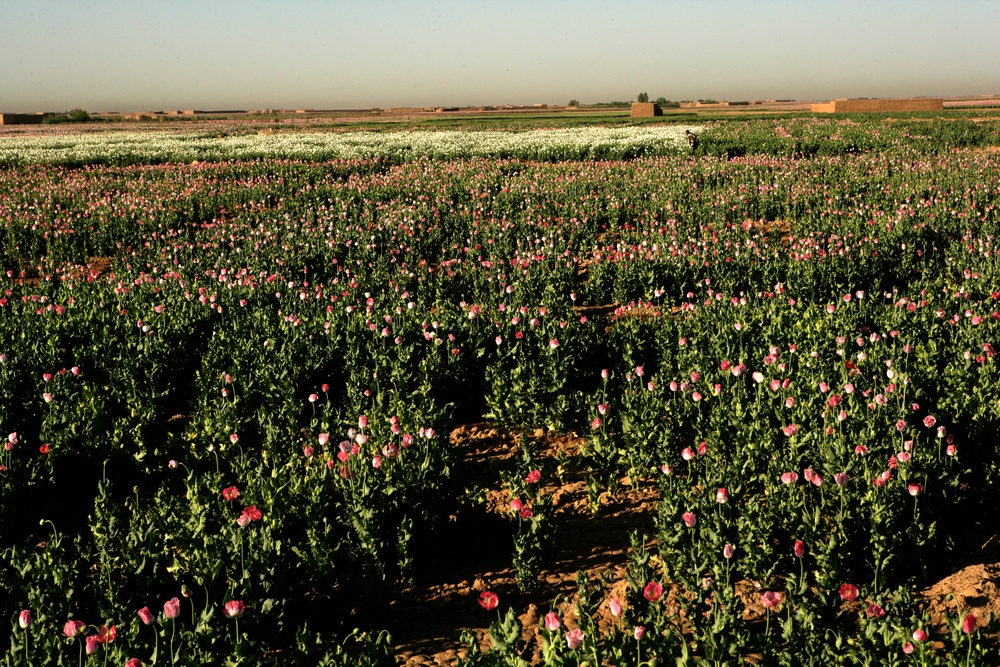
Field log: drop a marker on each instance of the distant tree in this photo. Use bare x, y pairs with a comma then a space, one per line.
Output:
664, 103
573, 103
642, 97
78, 116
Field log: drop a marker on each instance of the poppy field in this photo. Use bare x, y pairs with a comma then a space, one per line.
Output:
229, 365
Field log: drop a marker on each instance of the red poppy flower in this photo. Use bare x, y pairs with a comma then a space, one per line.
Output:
488, 600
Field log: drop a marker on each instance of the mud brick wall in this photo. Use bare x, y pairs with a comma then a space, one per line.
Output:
646, 110
21, 118
863, 106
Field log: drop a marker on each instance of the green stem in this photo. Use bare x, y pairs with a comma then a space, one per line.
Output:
173, 657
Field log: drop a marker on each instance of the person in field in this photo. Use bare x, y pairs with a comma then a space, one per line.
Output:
692, 140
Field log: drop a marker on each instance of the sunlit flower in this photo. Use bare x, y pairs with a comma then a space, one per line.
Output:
771, 599
574, 638
72, 628
652, 591
488, 600
874, 611
172, 608
849, 592
234, 609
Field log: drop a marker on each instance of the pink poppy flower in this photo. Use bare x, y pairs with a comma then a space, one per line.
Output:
145, 615
107, 635
252, 513
771, 599
72, 628
552, 621
172, 608
234, 609
652, 591
689, 519
25, 619
574, 638
875, 611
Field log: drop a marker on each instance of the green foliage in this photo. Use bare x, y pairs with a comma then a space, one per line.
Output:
78, 116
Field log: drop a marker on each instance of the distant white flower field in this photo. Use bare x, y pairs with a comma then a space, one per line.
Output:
145, 147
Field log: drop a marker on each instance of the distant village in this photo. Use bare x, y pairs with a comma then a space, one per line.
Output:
640, 109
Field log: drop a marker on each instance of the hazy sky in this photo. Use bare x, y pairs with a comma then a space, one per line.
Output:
134, 55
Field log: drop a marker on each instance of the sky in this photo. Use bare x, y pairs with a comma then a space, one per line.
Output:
139, 55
